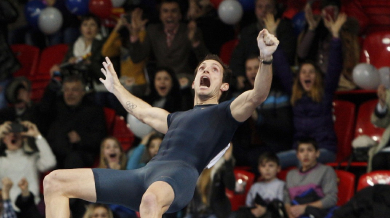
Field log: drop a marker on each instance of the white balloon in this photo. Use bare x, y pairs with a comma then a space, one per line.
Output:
230, 12
384, 74
117, 3
366, 76
139, 128
50, 20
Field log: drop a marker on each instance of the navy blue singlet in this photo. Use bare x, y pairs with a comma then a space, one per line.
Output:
194, 137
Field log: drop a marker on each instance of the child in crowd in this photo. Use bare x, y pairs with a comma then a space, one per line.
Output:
98, 211
312, 187
112, 155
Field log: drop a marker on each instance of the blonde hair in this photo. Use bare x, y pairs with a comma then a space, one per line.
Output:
91, 208
203, 185
103, 162
317, 91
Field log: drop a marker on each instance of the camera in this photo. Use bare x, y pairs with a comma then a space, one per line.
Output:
16, 127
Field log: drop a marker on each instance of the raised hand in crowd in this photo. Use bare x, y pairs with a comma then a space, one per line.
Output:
5, 128
312, 20
137, 23
334, 26
32, 130
192, 33
270, 23
23, 185
382, 95
7, 185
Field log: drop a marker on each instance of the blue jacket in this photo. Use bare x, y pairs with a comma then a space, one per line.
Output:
313, 119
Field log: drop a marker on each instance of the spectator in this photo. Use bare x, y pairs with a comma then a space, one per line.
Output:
25, 201
23, 154
8, 62
312, 97
112, 155
7, 210
84, 56
379, 158
317, 38
166, 92
132, 74
171, 41
312, 187
98, 211
75, 125
145, 151
266, 15
265, 198
210, 199
261, 132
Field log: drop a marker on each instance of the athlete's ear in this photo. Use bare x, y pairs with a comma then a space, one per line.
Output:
225, 87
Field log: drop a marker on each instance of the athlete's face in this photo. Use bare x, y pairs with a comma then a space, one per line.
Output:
100, 212
208, 80
111, 151
154, 146
163, 83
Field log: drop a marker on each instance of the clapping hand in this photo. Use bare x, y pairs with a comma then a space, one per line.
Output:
270, 23
32, 129
111, 79
137, 23
334, 26
312, 20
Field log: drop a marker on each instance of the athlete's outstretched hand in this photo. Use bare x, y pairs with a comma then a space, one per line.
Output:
111, 77
267, 43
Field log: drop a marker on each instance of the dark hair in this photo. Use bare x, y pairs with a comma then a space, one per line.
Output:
308, 140
74, 78
89, 17
325, 3
146, 156
268, 157
227, 73
252, 56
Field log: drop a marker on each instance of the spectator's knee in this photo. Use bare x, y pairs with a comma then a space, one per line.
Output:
51, 183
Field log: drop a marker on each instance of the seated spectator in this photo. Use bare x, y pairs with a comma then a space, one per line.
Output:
9, 64
145, 151
112, 155
23, 154
261, 132
267, 18
165, 92
6, 209
98, 210
209, 198
84, 56
75, 126
312, 187
312, 97
265, 198
379, 157
171, 42
315, 41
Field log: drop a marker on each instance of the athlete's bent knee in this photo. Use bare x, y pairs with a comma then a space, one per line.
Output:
51, 183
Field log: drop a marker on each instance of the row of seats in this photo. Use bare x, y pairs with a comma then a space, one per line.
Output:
345, 183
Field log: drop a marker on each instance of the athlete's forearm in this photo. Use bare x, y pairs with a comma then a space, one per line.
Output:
131, 103
263, 81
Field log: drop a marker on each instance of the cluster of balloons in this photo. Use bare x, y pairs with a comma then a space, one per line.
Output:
230, 11
49, 19
366, 76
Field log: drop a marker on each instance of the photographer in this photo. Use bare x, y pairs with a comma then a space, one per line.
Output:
23, 154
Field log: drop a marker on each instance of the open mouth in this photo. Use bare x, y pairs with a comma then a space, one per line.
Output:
307, 81
112, 155
162, 88
205, 81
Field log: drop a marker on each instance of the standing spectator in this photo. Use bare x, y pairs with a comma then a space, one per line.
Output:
23, 154
379, 157
314, 44
8, 62
312, 97
171, 42
75, 126
266, 12
312, 187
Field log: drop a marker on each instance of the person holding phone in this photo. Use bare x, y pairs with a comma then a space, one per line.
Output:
316, 39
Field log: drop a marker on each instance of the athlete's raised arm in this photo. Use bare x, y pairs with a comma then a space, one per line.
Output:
153, 116
244, 105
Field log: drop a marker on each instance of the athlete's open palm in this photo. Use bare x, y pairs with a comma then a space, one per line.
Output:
110, 74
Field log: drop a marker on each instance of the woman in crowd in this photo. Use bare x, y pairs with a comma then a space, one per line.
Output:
98, 211
112, 155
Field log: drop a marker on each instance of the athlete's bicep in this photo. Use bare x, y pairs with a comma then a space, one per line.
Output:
242, 107
156, 118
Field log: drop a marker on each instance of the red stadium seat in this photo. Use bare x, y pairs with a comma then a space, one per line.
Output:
372, 178
376, 49
110, 119
238, 199
50, 56
227, 50
344, 124
363, 121
123, 133
346, 186
28, 57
